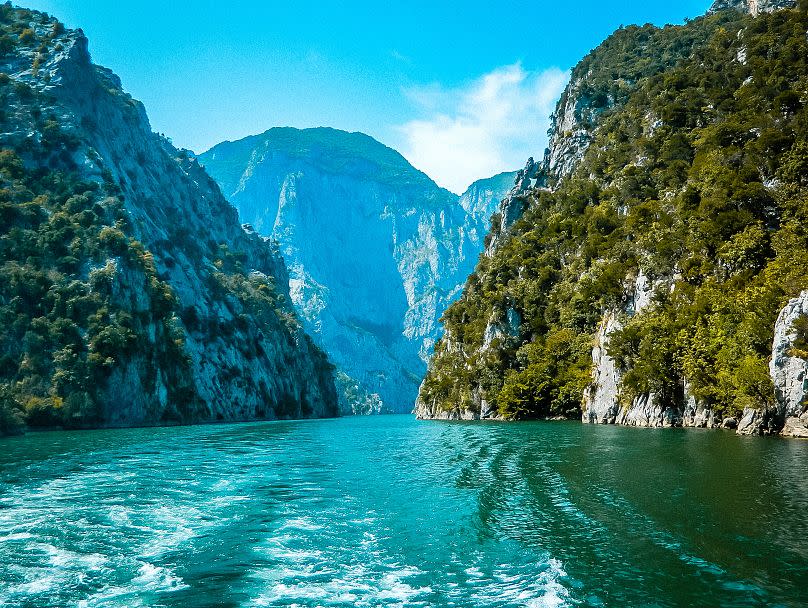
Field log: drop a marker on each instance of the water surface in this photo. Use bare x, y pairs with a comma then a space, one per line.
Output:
389, 511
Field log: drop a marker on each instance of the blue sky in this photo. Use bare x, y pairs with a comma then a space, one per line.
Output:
463, 90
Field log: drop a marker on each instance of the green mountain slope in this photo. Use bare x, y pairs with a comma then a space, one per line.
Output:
670, 235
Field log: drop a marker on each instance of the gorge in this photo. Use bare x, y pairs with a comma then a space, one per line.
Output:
189, 341
376, 251
651, 215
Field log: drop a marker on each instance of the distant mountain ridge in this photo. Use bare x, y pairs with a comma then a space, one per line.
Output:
376, 250
336, 151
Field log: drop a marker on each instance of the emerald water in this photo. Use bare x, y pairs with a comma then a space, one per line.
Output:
389, 511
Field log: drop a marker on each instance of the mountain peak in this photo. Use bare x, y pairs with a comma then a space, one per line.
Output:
332, 150
376, 251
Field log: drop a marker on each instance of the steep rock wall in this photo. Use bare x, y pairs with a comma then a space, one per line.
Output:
246, 356
789, 368
753, 7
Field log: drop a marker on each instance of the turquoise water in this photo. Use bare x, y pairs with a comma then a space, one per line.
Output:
389, 511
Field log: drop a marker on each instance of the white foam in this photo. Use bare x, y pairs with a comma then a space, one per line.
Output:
522, 587
16, 536
300, 523
474, 571
157, 578
356, 586
150, 578
65, 559
392, 587
37, 586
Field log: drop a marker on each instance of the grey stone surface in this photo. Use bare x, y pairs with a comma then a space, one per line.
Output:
753, 7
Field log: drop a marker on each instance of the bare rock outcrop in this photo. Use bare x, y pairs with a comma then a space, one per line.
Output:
753, 7
789, 368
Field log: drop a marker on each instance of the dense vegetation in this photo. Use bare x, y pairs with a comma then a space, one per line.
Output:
698, 176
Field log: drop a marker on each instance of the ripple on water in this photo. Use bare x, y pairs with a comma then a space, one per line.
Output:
111, 531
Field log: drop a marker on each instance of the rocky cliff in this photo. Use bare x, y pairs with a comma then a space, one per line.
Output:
635, 274
789, 366
601, 82
375, 249
753, 7
160, 308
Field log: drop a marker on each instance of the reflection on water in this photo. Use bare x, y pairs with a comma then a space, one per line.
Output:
389, 511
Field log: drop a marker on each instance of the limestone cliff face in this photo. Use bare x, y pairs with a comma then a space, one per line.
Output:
573, 127
513, 204
376, 250
753, 7
246, 359
602, 403
602, 397
696, 413
574, 124
570, 135
789, 368
538, 271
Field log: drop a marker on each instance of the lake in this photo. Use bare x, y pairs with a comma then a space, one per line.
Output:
390, 511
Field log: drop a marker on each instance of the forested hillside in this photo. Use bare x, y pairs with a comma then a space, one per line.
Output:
670, 237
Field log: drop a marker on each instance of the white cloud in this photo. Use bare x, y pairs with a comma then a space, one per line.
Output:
494, 124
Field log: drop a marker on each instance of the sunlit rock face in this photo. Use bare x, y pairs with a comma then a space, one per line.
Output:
375, 249
602, 403
753, 7
789, 368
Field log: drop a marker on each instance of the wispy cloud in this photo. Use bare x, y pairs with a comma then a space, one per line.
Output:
493, 124
400, 56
